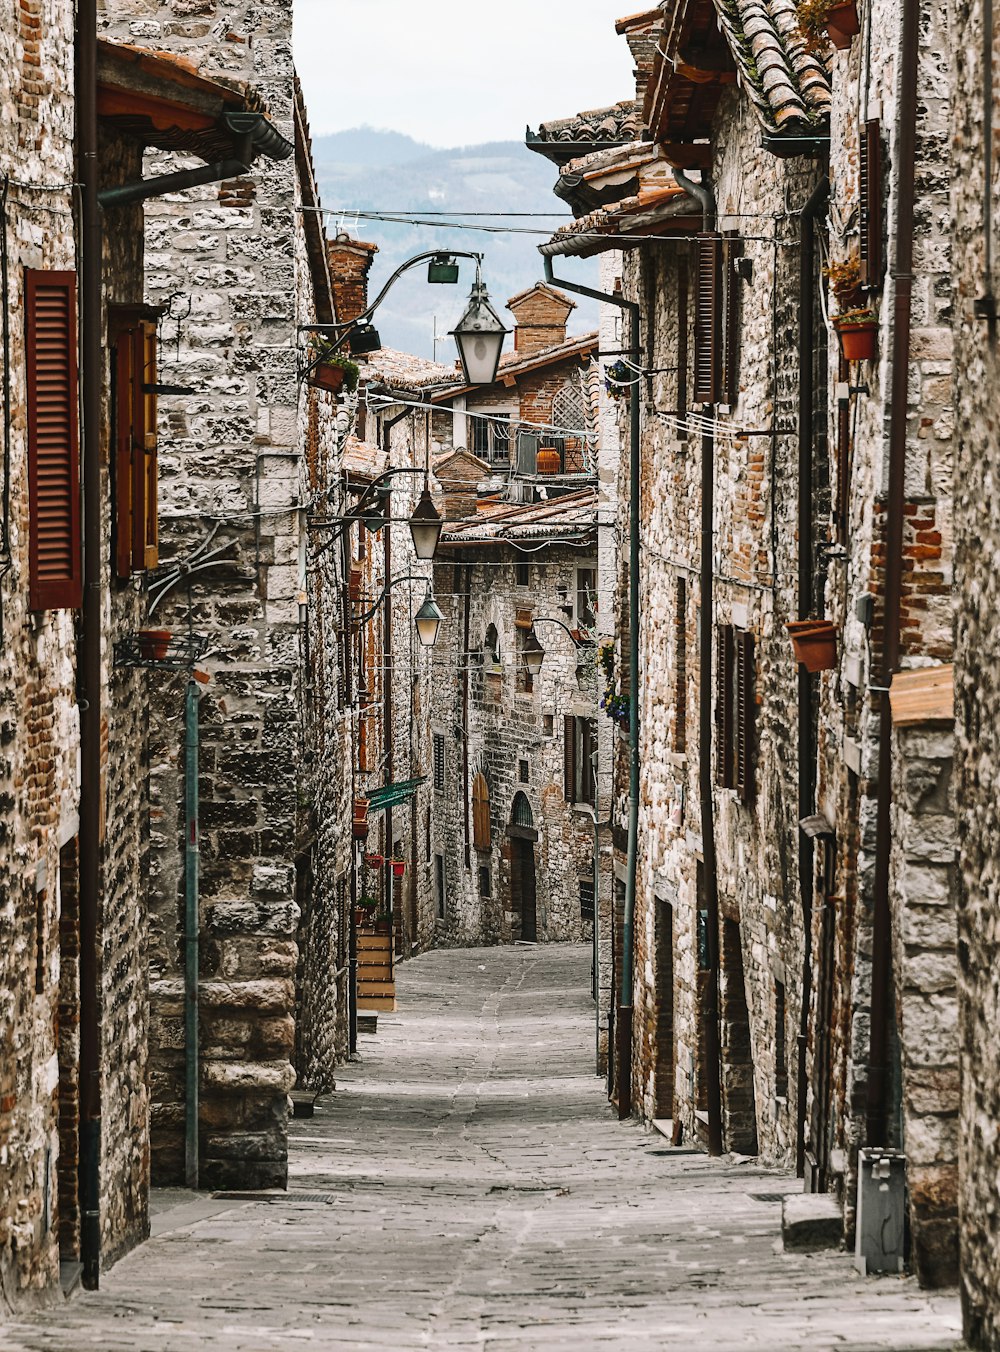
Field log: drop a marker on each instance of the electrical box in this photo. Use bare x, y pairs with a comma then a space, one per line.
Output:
881, 1224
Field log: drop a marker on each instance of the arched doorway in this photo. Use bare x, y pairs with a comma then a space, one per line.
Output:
522, 869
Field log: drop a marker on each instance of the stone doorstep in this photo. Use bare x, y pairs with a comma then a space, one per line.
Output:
811, 1221
367, 1021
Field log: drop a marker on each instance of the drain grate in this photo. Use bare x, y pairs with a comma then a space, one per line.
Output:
275, 1196
767, 1196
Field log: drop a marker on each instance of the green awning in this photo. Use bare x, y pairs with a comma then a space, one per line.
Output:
393, 794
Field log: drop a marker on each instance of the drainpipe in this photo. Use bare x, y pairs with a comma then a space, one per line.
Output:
346, 656
703, 193
191, 920
388, 671
623, 1024
876, 1125
89, 649
806, 577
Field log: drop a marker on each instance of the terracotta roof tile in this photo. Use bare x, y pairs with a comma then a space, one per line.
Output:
401, 370
618, 122
788, 86
571, 514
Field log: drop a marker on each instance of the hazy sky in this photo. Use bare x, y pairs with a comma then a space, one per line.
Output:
458, 72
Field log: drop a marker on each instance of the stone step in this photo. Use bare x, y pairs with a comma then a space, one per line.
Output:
376, 988
810, 1221
383, 1002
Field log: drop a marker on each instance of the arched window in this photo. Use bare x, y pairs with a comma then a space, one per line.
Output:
491, 650
482, 836
521, 812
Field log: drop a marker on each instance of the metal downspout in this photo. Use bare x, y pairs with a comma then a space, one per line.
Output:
876, 1125
623, 1026
347, 658
89, 649
191, 929
806, 588
713, 1049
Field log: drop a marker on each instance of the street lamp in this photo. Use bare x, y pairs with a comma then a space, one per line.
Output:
425, 526
533, 652
428, 620
479, 336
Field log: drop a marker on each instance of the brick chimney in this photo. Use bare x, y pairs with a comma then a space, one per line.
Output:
540, 316
350, 263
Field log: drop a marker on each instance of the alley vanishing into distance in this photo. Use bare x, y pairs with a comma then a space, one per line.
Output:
467, 1186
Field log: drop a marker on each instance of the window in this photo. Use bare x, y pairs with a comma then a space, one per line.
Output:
570, 421
734, 710
780, 1045
520, 813
717, 319
548, 725
491, 438
491, 651
522, 574
523, 625
580, 746
54, 555
586, 598
523, 770
439, 886
680, 665
136, 545
587, 899
485, 882
870, 204
482, 834
439, 761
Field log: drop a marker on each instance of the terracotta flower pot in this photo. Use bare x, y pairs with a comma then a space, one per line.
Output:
354, 578
374, 860
814, 643
548, 460
398, 868
154, 644
326, 376
843, 20
359, 824
859, 340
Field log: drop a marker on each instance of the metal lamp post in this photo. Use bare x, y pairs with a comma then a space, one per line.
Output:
479, 336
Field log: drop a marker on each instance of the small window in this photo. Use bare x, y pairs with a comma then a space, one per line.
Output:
439, 886
780, 1046
523, 627
135, 479
579, 750
485, 882
521, 814
680, 665
491, 438
735, 704
522, 574
491, 651
523, 770
439, 761
587, 899
548, 725
482, 836
586, 598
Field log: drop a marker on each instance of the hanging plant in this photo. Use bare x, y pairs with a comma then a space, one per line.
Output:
845, 282
858, 334
334, 371
618, 379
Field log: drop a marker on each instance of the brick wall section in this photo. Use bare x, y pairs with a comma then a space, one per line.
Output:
976, 473
540, 316
350, 264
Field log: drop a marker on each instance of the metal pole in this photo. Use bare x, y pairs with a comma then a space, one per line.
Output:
191, 930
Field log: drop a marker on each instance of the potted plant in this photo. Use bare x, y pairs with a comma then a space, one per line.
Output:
618, 380
374, 860
814, 643
354, 580
858, 334
819, 20
333, 371
154, 644
359, 823
844, 277
366, 909
383, 923
398, 867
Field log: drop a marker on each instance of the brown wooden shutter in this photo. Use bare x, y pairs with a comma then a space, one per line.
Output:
724, 706
843, 465
870, 204
707, 315
745, 708
54, 554
682, 342
124, 389
482, 835
145, 538
569, 758
731, 250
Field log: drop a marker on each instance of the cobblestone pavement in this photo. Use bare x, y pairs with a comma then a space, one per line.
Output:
468, 1187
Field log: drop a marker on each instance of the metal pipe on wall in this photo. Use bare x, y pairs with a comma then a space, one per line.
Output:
804, 602
902, 274
623, 1022
192, 850
89, 685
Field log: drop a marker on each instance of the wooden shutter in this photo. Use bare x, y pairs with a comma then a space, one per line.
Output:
145, 537
54, 556
124, 391
707, 314
745, 707
843, 465
682, 343
732, 248
482, 835
724, 706
870, 204
569, 758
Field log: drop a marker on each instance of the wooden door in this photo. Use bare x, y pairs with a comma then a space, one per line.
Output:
525, 865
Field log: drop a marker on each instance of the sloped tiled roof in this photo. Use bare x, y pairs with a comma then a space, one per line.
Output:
564, 137
401, 370
788, 85
362, 459
569, 515
657, 210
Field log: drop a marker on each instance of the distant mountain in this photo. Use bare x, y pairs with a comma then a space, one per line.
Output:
370, 170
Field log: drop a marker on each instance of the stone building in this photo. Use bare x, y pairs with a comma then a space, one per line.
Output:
977, 687
793, 967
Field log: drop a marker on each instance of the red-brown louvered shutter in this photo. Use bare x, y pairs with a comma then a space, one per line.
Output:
482, 835
569, 759
732, 249
870, 204
682, 343
54, 555
724, 706
707, 316
843, 466
745, 705
123, 395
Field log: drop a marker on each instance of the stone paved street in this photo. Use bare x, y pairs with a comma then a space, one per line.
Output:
467, 1187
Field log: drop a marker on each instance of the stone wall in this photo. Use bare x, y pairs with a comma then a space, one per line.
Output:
977, 687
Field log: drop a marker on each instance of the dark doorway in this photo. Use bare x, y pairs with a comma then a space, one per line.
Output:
664, 1082
739, 1112
68, 1204
522, 887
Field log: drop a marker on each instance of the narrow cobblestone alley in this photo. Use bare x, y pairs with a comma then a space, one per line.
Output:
466, 1186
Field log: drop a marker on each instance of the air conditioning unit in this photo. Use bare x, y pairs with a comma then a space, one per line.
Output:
879, 1244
